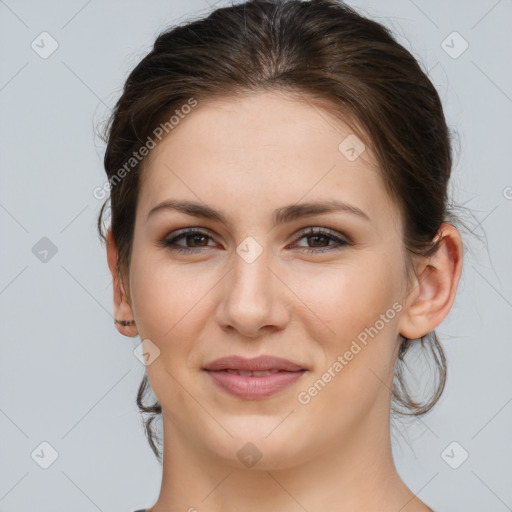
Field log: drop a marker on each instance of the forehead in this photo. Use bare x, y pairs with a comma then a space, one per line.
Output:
262, 122
262, 146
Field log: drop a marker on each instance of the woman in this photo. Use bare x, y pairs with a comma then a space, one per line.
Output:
280, 236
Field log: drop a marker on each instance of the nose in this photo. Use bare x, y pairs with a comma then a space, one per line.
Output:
253, 297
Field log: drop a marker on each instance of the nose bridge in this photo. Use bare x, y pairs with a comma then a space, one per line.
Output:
250, 280
251, 297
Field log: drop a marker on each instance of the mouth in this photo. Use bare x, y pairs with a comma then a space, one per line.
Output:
254, 379
252, 386
263, 363
261, 373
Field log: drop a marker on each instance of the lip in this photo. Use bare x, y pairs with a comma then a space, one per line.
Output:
254, 387
260, 363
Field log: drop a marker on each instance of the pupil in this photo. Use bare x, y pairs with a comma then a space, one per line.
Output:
195, 237
317, 237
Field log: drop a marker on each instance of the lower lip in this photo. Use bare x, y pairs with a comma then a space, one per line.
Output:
254, 388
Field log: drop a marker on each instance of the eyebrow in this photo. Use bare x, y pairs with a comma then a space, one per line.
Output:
280, 215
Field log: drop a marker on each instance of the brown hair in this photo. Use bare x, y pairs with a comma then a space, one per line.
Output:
321, 50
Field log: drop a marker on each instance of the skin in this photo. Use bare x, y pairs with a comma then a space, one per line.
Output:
246, 157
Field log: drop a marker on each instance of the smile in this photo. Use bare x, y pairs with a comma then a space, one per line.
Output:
254, 385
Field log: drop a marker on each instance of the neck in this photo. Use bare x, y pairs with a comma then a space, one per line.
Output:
354, 475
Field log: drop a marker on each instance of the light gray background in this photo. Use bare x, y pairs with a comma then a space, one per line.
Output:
67, 376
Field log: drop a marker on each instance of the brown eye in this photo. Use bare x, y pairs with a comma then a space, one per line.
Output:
315, 238
194, 239
319, 240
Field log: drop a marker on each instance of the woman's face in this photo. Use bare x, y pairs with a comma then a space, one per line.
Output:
329, 302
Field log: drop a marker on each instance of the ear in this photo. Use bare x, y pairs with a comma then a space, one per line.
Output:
122, 307
433, 291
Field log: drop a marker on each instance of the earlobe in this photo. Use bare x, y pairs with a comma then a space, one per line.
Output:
123, 314
433, 294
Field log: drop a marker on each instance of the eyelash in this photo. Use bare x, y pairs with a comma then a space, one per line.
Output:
310, 232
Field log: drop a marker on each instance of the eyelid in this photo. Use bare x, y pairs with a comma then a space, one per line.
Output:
192, 230
189, 230
340, 239
322, 231
298, 234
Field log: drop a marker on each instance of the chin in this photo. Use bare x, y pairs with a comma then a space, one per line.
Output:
265, 448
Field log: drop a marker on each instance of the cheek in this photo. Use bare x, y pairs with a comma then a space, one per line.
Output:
346, 299
166, 297
169, 305
360, 305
